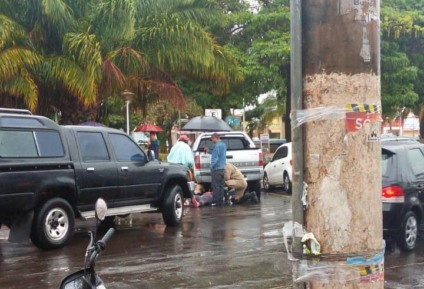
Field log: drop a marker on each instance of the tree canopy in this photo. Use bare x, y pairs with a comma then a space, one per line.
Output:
68, 54
72, 55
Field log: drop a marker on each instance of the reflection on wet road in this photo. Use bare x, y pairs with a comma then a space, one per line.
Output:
228, 247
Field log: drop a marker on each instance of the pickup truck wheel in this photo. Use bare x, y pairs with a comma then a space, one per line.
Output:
267, 186
173, 206
53, 224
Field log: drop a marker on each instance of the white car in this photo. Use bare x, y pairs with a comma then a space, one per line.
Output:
278, 172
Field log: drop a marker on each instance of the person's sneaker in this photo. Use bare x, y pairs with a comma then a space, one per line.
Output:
232, 193
228, 202
254, 197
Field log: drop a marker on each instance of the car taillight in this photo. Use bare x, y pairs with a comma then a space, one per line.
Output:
291, 162
393, 194
197, 162
261, 159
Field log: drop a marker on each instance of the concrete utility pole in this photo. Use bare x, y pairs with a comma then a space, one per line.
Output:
336, 112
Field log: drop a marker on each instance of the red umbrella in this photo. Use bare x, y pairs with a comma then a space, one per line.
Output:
148, 127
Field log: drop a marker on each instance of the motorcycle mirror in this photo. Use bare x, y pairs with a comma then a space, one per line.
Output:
100, 209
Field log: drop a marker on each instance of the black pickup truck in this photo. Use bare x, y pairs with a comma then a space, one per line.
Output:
52, 174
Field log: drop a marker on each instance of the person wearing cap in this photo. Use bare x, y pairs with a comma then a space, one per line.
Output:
217, 167
182, 154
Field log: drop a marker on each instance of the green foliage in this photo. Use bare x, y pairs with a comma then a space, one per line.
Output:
73, 53
402, 50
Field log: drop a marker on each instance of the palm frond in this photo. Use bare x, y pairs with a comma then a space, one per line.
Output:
129, 60
10, 32
114, 21
13, 60
22, 86
151, 90
64, 72
175, 45
112, 76
85, 49
272, 108
59, 14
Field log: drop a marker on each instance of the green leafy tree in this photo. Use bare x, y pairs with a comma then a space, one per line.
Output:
74, 54
402, 53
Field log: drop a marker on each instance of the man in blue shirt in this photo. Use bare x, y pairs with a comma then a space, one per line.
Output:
218, 160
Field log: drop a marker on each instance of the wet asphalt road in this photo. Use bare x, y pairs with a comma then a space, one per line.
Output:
227, 247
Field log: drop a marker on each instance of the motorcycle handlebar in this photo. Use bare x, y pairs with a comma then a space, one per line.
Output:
106, 237
100, 246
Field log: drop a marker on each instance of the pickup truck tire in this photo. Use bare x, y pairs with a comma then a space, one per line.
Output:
173, 206
53, 224
256, 187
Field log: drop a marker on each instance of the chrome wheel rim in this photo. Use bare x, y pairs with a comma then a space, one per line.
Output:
286, 183
56, 225
411, 231
178, 201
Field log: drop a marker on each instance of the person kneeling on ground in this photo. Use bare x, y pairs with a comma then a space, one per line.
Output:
235, 180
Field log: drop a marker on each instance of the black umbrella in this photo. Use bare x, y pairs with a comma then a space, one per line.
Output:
206, 123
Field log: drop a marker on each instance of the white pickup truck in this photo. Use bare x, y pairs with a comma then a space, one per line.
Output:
241, 151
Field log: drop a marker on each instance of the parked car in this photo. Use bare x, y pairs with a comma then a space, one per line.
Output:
51, 174
402, 162
278, 172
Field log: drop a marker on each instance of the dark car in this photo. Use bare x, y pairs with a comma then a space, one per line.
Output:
402, 163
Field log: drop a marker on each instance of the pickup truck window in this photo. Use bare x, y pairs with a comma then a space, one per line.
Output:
125, 149
30, 144
20, 122
92, 146
49, 144
232, 144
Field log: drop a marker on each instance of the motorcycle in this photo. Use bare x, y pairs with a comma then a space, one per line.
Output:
87, 278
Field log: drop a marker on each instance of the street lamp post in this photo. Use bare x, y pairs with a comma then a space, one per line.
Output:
127, 95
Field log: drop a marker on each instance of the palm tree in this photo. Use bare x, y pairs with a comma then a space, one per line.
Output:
273, 107
32, 64
67, 54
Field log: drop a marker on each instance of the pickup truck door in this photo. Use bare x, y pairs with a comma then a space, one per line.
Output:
99, 175
139, 179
